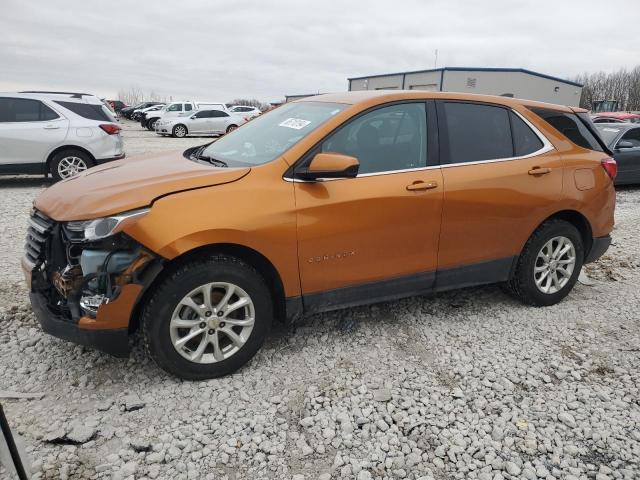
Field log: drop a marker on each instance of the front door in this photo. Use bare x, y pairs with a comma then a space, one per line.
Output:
501, 179
628, 159
374, 236
199, 123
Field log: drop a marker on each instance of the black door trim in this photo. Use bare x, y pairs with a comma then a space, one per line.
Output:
424, 283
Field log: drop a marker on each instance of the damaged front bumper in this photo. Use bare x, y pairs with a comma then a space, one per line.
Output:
85, 292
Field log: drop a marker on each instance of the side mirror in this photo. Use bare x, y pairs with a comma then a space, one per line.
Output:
624, 144
330, 165
195, 115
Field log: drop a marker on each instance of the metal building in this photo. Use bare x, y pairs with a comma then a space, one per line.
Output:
512, 82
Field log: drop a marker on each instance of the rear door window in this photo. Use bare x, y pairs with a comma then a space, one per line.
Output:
477, 132
569, 125
86, 110
188, 107
25, 110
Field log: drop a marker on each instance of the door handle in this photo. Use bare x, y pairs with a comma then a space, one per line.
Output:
422, 186
539, 171
51, 127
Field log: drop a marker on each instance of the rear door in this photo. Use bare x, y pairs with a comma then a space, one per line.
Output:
29, 130
218, 121
501, 177
628, 159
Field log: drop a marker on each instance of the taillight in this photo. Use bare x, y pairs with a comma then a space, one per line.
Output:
610, 166
110, 128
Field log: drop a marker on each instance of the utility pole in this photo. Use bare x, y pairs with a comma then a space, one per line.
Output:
435, 63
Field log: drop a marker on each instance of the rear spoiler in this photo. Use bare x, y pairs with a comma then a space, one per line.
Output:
587, 122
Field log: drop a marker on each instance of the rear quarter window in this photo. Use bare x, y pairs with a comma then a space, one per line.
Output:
86, 110
525, 141
569, 125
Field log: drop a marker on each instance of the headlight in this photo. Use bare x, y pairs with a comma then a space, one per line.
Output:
104, 227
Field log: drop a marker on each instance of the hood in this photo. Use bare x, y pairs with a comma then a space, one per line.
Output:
127, 184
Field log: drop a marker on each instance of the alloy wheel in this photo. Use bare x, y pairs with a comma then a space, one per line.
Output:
554, 265
180, 131
70, 166
212, 322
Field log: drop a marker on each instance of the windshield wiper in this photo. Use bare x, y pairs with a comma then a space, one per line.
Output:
213, 161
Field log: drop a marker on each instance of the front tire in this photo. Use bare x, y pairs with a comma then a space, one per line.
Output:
231, 128
179, 131
207, 318
68, 163
549, 264
151, 124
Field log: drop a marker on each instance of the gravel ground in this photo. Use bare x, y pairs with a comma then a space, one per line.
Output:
468, 384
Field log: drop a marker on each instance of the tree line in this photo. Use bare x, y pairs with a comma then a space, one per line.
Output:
622, 86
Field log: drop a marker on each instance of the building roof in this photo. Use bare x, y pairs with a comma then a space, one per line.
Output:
473, 69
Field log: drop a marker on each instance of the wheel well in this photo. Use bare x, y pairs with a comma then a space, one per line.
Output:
67, 147
180, 125
581, 223
246, 254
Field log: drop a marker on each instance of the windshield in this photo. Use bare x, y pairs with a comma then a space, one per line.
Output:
270, 135
607, 133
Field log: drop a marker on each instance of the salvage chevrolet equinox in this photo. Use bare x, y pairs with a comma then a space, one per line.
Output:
331, 202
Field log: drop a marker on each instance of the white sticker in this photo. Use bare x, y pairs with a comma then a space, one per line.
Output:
616, 130
295, 123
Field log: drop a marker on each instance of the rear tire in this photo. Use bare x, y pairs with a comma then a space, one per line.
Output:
168, 308
179, 131
231, 128
544, 275
68, 163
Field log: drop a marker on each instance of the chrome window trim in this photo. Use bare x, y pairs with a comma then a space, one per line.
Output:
547, 146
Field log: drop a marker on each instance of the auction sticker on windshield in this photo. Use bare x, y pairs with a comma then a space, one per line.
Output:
295, 123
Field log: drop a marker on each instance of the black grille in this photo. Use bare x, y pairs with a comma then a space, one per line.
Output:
39, 229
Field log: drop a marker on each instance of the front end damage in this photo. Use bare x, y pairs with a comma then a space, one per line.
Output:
85, 290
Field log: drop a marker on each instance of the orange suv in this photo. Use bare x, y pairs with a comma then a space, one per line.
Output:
324, 203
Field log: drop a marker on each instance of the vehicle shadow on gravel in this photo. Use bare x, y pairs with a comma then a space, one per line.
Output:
25, 182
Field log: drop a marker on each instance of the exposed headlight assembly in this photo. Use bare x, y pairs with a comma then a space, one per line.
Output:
99, 228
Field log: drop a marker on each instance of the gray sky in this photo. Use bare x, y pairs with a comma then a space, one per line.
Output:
220, 50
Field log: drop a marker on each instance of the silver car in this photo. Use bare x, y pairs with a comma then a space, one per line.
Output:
60, 134
202, 122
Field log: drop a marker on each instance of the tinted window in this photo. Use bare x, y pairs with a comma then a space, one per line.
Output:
188, 107
570, 126
204, 114
177, 107
477, 132
24, 110
218, 113
389, 138
86, 110
632, 136
525, 141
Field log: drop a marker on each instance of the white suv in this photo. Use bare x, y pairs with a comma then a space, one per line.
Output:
178, 109
60, 134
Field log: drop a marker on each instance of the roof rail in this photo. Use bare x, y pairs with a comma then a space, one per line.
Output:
73, 94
